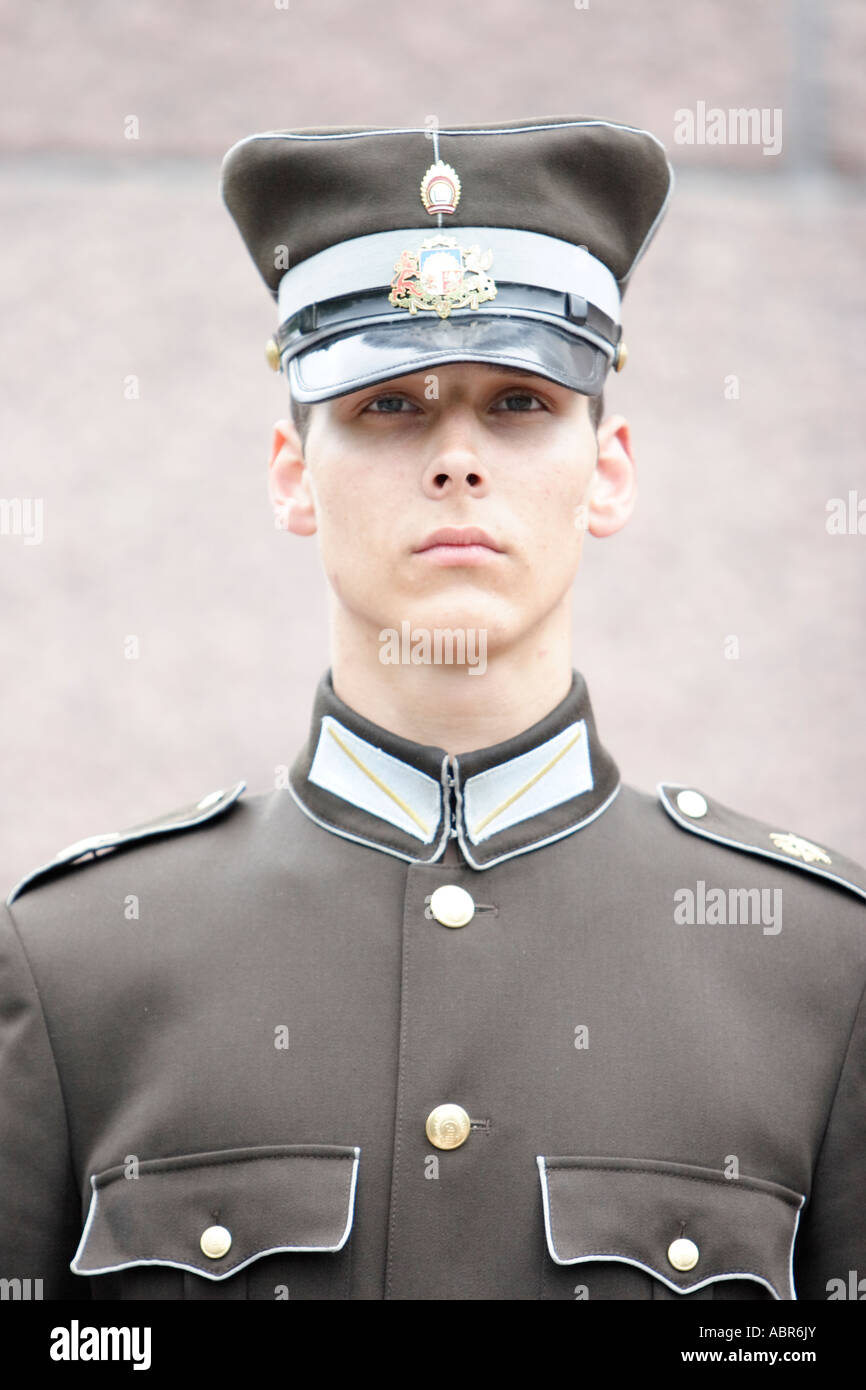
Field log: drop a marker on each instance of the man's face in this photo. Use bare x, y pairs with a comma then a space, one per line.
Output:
469, 446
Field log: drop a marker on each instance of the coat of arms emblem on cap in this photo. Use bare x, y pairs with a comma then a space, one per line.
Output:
440, 188
441, 276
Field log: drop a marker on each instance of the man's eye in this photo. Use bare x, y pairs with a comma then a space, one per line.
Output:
390, 405
520, 400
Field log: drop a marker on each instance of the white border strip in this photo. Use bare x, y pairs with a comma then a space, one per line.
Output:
372, 844
536, 844
435, 134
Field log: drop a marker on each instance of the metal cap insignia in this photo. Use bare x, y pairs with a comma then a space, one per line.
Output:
440, 188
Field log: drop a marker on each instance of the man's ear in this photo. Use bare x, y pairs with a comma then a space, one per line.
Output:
613, 489
289, 483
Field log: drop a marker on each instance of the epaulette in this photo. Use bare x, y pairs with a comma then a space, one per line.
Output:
694, 811
210, 806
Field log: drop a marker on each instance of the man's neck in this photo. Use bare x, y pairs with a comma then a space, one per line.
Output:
446, 705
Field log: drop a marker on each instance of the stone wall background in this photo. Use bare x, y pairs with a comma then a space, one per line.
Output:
118, 259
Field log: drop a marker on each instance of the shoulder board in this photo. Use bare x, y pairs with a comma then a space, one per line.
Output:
208, 808
695, 811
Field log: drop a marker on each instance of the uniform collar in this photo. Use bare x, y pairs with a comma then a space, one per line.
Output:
366, 784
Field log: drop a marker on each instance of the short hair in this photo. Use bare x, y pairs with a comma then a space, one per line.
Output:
301, 414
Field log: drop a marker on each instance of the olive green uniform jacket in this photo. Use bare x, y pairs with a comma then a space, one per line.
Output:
222, 1035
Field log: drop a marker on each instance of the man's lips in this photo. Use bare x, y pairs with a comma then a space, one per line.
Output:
458, 545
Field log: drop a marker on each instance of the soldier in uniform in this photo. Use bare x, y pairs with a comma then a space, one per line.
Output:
455, 1013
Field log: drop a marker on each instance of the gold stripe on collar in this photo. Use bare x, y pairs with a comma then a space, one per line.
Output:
383, 786
503, 805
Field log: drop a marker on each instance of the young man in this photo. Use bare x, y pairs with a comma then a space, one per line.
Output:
454, 1014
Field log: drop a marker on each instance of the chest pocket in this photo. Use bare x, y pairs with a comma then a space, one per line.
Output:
265, 1223
633, 1228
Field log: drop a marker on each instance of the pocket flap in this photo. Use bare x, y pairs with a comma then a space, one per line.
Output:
633, 1210
214, 1213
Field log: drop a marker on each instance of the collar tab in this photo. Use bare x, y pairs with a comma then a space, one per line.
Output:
362, 782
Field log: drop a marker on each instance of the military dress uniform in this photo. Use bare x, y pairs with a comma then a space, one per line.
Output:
420, 1026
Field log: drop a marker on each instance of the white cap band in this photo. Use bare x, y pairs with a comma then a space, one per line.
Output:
521, 258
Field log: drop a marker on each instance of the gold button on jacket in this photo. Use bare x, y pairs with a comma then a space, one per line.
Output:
447, 1126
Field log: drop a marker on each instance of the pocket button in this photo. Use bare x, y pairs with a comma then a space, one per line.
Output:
215, 1242
683, 1254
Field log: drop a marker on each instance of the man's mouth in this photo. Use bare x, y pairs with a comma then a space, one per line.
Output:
458, 545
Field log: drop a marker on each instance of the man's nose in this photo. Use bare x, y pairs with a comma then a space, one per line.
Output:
455, 464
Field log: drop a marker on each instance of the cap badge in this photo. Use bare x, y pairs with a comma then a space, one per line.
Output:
800, 849
441, 276
440, 188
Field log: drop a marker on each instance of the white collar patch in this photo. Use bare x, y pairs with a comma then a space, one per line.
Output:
350, 767
525, 786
